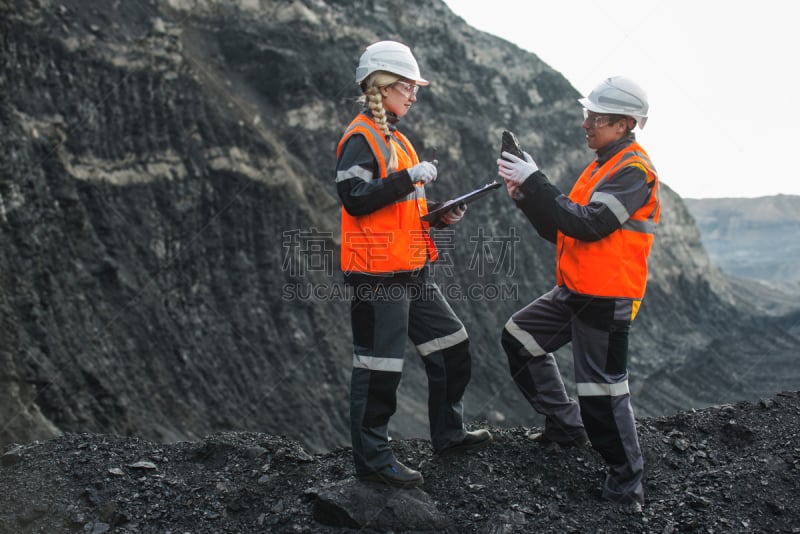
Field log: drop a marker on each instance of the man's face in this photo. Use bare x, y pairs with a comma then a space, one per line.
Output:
603, 129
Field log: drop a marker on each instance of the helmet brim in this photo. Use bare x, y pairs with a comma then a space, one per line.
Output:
591, 106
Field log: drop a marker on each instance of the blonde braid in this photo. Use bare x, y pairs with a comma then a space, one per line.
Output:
375, 105
373, 100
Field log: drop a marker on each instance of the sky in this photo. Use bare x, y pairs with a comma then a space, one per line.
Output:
722, 79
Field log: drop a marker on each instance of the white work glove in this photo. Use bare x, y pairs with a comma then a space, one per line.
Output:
424, 172
514, 169
454, 215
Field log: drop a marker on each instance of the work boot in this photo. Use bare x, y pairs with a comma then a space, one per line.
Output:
395, 474
541, 438
473, 440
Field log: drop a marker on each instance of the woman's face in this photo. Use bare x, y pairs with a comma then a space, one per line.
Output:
399, 96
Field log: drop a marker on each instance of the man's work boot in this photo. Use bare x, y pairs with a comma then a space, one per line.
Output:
544, 440
473, 440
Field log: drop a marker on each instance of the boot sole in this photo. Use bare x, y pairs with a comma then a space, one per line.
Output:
461, 449
545, 442
375, 477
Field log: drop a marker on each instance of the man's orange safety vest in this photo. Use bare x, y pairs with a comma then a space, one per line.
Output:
615, 266
393, 238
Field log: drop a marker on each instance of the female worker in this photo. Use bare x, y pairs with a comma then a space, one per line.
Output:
386, 250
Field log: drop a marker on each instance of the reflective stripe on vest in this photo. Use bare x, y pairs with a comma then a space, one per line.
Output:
615, 266
393, 238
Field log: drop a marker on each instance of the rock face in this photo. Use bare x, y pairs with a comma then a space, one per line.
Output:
169, 224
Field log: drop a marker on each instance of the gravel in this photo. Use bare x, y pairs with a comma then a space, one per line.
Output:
729, 468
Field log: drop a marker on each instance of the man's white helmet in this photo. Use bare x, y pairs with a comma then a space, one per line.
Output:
618, 96
390, 56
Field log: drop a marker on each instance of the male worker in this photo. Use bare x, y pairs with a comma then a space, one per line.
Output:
603, 231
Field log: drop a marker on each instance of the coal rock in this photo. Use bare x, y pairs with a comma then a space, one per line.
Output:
738, 472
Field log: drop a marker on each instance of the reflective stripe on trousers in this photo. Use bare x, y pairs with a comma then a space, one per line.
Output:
382, 321
598, 329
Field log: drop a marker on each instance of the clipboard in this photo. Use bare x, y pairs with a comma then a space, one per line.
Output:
481, 192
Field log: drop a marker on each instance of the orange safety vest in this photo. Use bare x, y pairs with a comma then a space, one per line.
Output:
393, 238
615, 266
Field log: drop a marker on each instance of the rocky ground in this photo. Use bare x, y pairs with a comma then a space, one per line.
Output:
731, 468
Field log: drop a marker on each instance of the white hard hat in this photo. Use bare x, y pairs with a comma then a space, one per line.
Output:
390, 56
619, 96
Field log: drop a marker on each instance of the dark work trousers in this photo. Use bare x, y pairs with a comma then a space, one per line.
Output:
598, 329
384, 314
